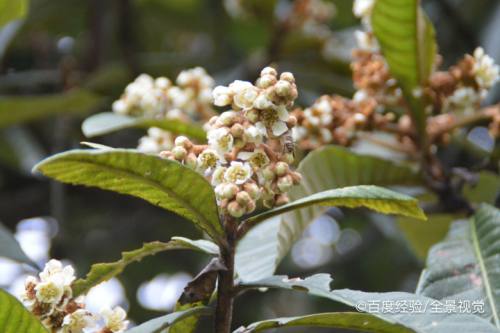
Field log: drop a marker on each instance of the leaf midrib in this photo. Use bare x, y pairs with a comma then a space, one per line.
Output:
160, 187
484, 272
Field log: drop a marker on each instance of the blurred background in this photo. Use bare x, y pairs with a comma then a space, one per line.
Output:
70, 58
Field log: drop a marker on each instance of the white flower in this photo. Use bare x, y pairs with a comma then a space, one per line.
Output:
222, 96
255, 134
275, 120
156, 141
464, 100
257, 159
195, 77
114, 320
77, 321
55, 269
218, 176
363, 8
245, 97
320, 113
208, 159
485, 70
51, 290
178, 97
120, 106
238, 173
220, 139
366, 41
262, 102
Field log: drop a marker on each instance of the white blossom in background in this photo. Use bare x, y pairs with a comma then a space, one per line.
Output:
366, 41
156, 140
363, 10
50, 298
464, 100
485, 69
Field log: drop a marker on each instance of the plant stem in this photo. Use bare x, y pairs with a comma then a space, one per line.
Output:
225, 287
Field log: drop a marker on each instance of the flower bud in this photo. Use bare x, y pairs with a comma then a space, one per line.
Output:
237, 130
291, 122
287, 76
283, 88
182, 141
268, 71
288, 158
282, 199
266, 81
239, 143
243, 198
296, 177
281, 168
268, 173
235, 210
359, 119
250, 207
252, 115
179, 153
252, 190
191, 160
285, 183
229, 191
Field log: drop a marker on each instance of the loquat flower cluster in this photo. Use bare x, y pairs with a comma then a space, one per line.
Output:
50, 298
249, 151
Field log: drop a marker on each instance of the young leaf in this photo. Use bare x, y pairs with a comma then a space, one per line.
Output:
14, 318
15, 110
108, 122
341, 320
162, 182
104, 271
261, 250
424, 319
12, 10
10, 248
466, 264
377, 198
407, 41
157, 325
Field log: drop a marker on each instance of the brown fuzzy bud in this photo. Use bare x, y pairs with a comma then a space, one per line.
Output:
252, 190
291, 122
281, 168
191, 160
285, 183
250, 207
179, 153
229, 191
283, 88
282, 199
243, 198
287, 76
268, 173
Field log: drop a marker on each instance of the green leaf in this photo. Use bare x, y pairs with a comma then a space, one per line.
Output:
12, 10
162, 182
424, 320
377, 198
422, 236
157, 325
10, 248
466, 265
407, 40
104, 271
485, 190
14, 318
108, 122
342, 320
15, 110
261, 250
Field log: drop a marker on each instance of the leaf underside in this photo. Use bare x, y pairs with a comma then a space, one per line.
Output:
159, 324
466, 265
10, 248
108, 122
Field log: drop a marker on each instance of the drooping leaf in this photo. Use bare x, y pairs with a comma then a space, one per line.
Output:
14, 318
377, 198
466, 265
108, 122
200, 245
341, 320
264, 246
157, 325
407, 40
197, 292
15, 110
12, 10
10, 248
162, 182
426, 316
104, 271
